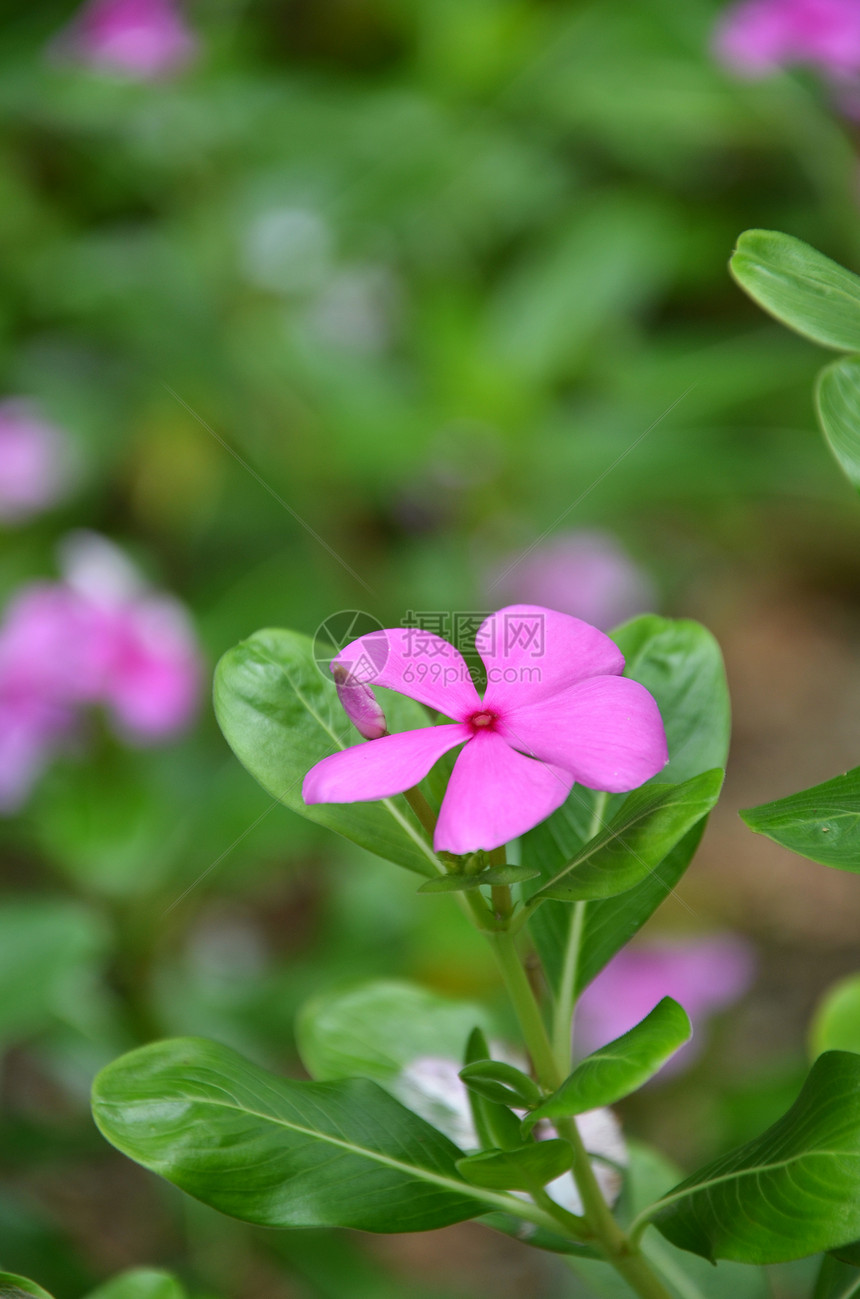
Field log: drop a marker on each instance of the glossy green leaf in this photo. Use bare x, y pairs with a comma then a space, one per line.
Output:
685, 1276
650, 823
529, 1167
495, 1125
280, 716
376, 1029
836, 1022
140, 1283
492, 875
680, 662
620, 1067
609, 925
837, 398
800, 287
822, 823
411, 1042
502, 1083
790, 1192
277, 1152
18, 1287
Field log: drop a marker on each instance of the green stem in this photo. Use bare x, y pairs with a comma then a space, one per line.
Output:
599, 1222
575, 1225
526, 1009
422, 809
565, 1002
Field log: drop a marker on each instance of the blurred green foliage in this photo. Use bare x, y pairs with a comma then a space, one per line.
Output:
421, 281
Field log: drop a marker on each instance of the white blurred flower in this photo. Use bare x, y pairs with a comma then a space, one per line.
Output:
356, 310
287, 249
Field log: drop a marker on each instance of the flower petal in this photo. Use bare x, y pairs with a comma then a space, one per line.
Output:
494, 795
415, 663
530, 653
607, 732
380, 768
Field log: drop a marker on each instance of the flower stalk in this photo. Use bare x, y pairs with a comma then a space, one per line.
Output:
598, 1223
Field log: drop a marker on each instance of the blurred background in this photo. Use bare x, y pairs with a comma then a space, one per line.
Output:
390, 305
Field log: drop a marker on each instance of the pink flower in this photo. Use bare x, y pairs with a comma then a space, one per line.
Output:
584, 573
756, 37
43, 675
142, 39
34, 461
704, 975
141, 654
98, 638
556, 710
31, 729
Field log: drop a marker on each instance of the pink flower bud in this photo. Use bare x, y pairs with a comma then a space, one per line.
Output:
359, 704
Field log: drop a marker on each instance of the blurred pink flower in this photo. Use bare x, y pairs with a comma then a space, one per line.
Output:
585, 573
141, 653
99, 637
756, 37
35, 461
31, 729
704, 975
141, 39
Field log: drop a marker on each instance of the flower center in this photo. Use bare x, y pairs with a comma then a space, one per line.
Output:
483, 721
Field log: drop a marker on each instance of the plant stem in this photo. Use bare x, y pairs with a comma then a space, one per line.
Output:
565, 1002
422, 809
599, 1222
526, 1009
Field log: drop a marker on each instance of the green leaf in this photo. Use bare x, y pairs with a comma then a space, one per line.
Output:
376, 1029
495, 1125
609, 925
277, 1152
836, 1022
140, 1283
800, 287
837, 399
651, 822
394, 1033
502, 1083
849, 1254
620, 1067
280, 716
789, 1193
649, 1175
836, 1280
822, 823
492, 875
17, 1287
525, 1169
680, 662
